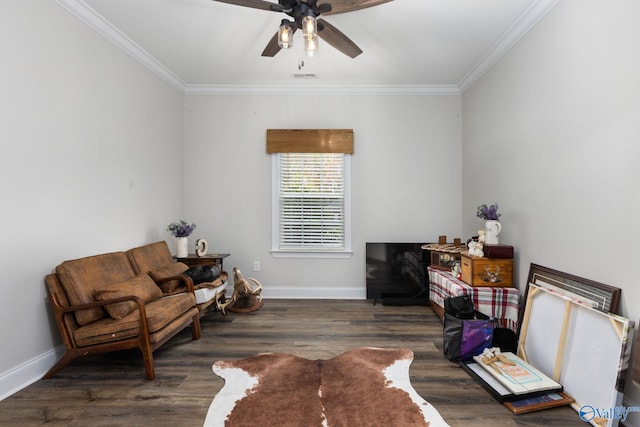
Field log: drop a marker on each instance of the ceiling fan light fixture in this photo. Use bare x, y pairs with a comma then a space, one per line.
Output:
309, 26
305, 16
285, 36
311, 45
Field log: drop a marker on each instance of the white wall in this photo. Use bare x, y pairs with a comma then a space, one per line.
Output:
552, 133
405, 179
91, 162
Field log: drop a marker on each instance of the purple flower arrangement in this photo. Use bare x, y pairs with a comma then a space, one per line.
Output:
488, 213
181, 228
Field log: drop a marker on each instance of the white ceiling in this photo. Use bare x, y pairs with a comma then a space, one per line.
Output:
199, 45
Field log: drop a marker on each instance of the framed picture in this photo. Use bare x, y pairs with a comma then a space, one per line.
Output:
587, 292
532, 404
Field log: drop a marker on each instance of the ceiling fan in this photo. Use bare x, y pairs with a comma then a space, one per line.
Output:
305, 17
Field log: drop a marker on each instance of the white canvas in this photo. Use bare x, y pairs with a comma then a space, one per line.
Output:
596, 354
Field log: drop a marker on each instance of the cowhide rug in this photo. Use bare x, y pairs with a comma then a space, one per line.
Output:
362, 387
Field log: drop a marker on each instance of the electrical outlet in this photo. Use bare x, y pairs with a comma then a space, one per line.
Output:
256, 265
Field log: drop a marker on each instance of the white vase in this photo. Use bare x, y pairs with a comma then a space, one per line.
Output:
182, 247
492, 229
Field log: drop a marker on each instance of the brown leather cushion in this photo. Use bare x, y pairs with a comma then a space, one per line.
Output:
141, 286
150, 256
169, 270
81, 278
160, 313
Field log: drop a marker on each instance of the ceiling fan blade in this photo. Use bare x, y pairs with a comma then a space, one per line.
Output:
256, 4
272, 47
337, 39
344, 6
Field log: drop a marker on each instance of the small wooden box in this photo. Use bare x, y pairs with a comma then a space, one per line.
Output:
484, 271
498, 251
445, 259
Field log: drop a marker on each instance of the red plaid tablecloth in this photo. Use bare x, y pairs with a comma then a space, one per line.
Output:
500, 303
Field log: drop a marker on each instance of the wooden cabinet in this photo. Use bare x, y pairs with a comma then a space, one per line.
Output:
487, 271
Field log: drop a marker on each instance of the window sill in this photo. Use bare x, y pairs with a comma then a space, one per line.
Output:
312, 254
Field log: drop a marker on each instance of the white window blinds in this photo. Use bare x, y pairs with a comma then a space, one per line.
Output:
311, 201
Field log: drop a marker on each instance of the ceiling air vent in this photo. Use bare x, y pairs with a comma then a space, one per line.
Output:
304, 76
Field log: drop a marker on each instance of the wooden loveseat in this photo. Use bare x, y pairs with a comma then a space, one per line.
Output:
102, 304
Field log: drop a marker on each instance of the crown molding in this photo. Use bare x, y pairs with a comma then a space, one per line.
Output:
92, 18
526, 22
521, 27
320, 90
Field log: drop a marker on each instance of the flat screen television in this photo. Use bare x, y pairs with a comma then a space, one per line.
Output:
396, 273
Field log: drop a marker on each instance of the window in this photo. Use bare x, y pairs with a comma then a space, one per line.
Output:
311, 204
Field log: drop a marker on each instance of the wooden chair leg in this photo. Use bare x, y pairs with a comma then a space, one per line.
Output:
196, 331
69, 356
144, 344
147, 357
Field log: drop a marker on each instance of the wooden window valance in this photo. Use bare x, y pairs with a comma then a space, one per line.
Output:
310, 141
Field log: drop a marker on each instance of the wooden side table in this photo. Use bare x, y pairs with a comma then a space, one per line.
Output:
193, 259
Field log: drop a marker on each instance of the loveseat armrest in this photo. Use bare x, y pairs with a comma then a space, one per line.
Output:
73, 308
60, 311
144, 327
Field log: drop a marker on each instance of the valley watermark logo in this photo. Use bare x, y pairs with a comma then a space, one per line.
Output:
589, 413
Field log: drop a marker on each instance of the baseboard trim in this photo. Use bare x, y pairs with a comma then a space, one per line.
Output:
275, 292
29, 372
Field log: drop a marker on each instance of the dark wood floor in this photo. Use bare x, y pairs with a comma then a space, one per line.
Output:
111, 390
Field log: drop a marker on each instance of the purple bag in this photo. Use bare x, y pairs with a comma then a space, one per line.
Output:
466, 332
476, 336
